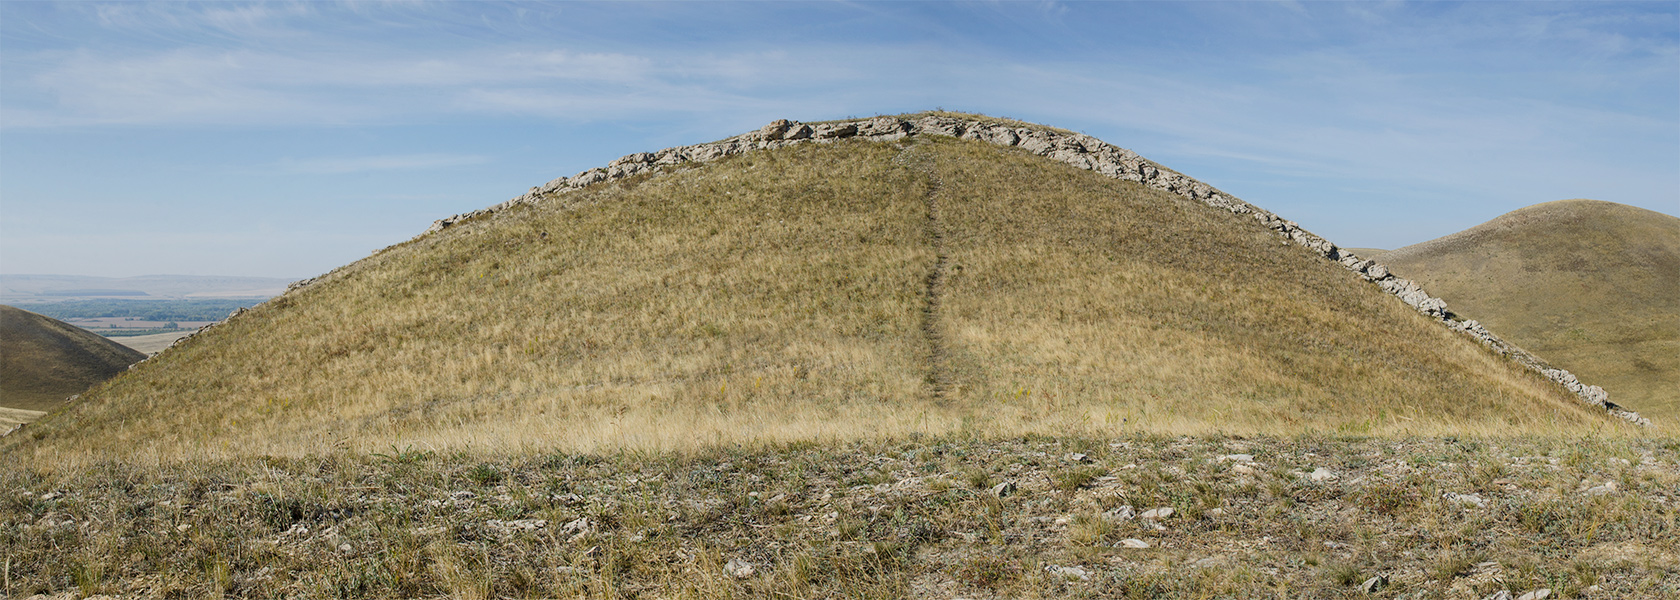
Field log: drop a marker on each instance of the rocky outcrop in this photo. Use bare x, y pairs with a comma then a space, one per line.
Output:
1075, 149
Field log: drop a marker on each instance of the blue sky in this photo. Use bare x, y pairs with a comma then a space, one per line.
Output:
285, 139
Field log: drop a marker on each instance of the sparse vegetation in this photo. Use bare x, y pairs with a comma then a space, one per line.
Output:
410, 523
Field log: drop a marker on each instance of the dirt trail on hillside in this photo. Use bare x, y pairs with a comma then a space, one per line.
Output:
938, 377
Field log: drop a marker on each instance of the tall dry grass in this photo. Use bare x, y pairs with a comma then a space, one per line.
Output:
1078, 298
780, 296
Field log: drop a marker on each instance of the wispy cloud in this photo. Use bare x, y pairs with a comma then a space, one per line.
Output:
1364, 106
358, 164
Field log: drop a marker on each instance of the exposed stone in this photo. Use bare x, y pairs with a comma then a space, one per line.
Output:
1076, 457
1241, 458
1132, 543
1003, 489
1372, 585
1608, 487
1068, 572
577, 528
841, 130
507, 527
775, 129
632, 159
1322, 475
1156, 514
1464, 499
1123, 513
1499, 595
738, 569
1540, 594
797, 132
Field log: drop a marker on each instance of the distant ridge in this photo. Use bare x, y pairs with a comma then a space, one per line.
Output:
44, 360
25, 288
1592, 285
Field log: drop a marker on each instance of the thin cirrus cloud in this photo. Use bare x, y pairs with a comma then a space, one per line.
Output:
359, 164
248, 87
207, 86
1371, 123
1409, 122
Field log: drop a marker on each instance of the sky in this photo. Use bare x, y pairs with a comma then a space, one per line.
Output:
285, 139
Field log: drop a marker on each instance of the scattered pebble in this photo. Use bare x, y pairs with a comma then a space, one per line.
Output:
738, 568
1373, 584
577, 529
1597, 490
1156, 514
1068, 572
1124, 513
518, 525
1465, 499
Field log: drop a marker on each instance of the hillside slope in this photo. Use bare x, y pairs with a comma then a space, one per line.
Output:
830, 291
44, 360
1592, 286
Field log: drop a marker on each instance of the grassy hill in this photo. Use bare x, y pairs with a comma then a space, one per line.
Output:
1591, 286
915, 367
853, 289
43, 360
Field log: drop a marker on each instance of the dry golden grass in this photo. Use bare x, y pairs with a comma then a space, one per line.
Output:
1076, 300
1591, 286
867, 519
783, 295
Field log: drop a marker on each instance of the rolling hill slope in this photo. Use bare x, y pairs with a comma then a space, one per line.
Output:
1592, 286
43, 360
900, 281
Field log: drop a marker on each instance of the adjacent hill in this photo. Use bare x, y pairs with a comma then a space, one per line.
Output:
1592, 286
854, 288
44, 360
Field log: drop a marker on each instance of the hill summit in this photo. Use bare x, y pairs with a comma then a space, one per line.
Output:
929, 273
1593, 286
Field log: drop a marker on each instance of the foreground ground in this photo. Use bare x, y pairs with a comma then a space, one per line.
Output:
935, 518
